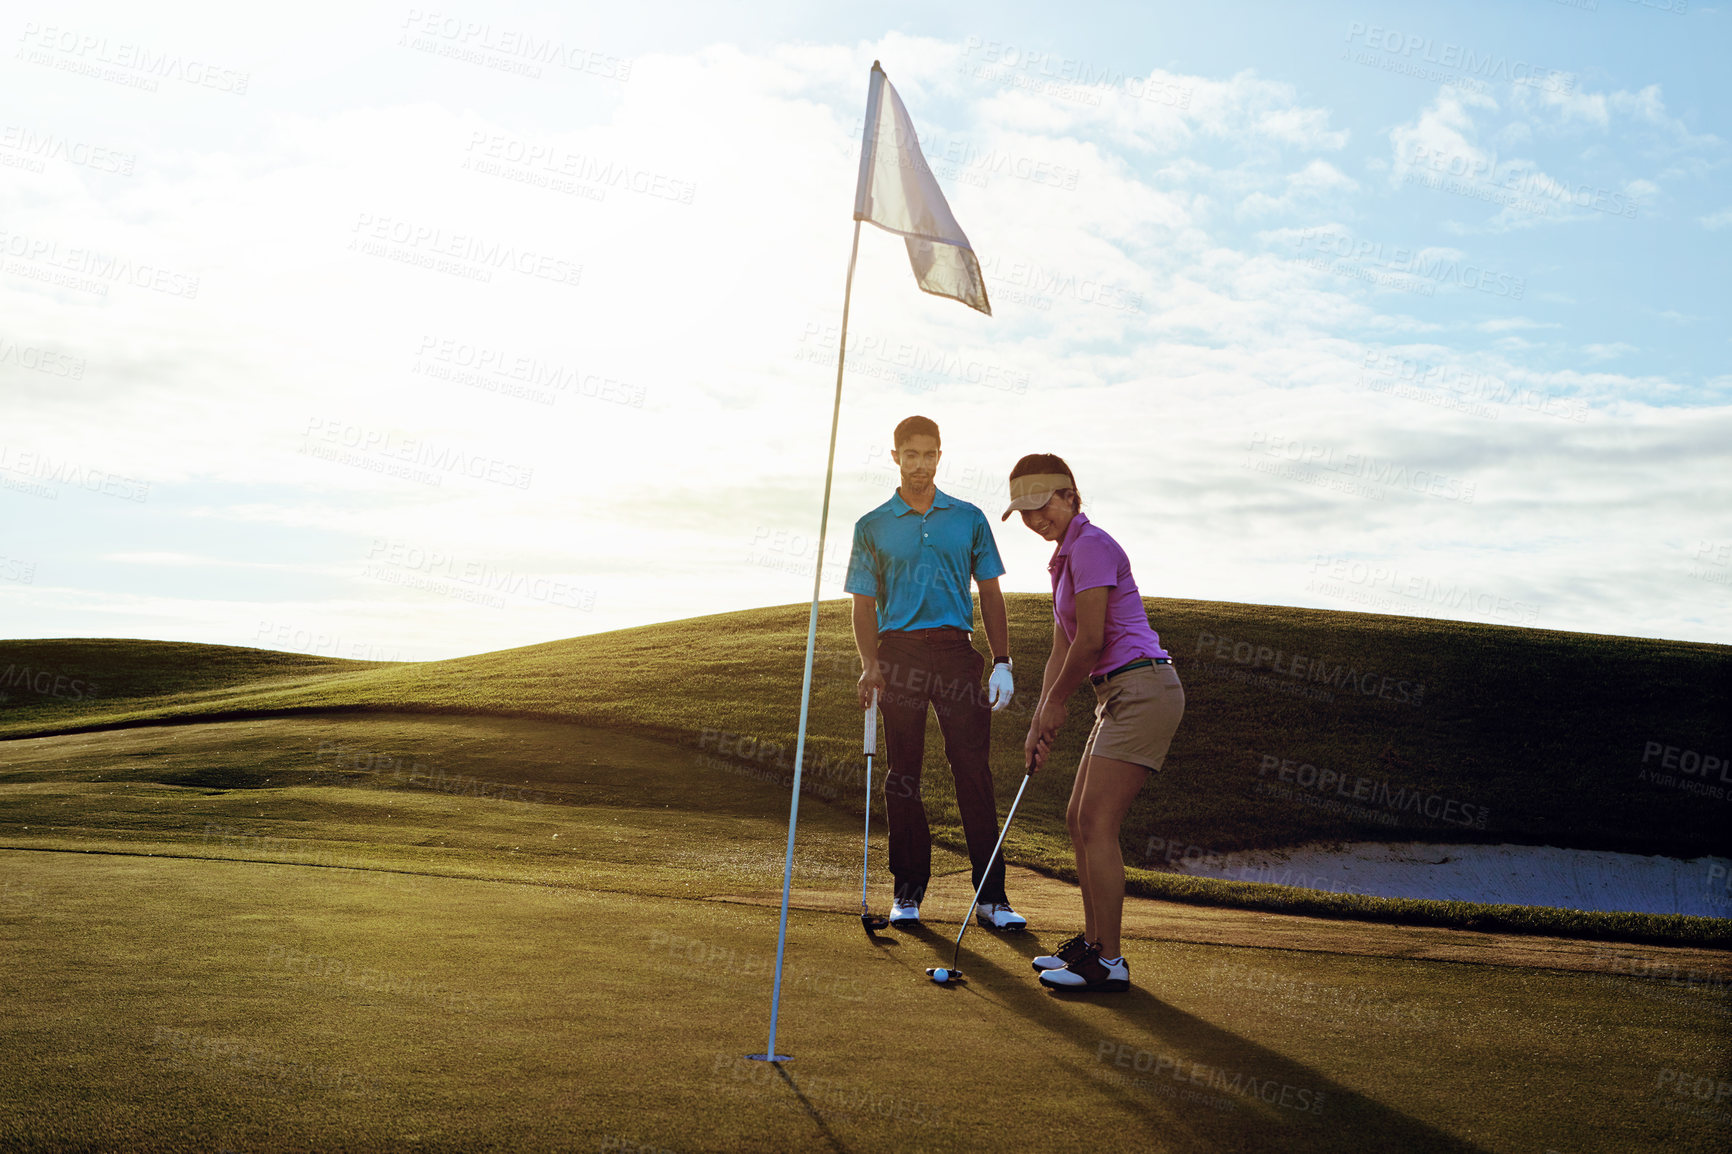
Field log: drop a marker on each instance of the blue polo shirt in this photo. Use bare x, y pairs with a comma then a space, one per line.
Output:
919, 566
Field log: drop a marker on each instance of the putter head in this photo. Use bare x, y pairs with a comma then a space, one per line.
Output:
873, 923
944, 975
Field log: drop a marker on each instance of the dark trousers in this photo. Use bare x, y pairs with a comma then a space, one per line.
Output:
941, 669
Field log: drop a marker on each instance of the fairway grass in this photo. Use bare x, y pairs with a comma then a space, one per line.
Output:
179, 1004
210, 782
403, 932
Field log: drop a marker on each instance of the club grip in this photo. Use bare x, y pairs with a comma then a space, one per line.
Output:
871, 742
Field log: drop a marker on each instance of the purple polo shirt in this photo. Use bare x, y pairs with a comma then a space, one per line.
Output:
1088, 558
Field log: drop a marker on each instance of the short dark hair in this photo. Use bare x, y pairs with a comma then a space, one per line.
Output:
916, 427
1048, 463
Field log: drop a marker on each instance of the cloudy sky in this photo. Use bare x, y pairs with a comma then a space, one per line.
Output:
401, 332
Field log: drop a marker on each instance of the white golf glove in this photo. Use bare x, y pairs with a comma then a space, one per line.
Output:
999, 687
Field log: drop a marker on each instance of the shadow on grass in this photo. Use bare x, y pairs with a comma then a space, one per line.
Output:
1202, 1087
817, 1118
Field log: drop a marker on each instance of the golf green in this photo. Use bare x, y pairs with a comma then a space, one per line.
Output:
249, 942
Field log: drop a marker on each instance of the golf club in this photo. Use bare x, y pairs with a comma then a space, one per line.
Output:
867, 920
944, 975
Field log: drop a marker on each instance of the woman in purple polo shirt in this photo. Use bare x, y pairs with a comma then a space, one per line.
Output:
1101, 633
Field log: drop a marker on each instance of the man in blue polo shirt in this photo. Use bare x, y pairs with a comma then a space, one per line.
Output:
909, 572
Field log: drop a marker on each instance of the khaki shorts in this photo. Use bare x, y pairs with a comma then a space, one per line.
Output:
1136, 715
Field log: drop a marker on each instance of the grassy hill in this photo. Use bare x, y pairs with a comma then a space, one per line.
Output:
347, 920
1300, 724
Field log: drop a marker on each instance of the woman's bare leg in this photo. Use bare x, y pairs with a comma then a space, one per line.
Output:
1073, 822
1104, 790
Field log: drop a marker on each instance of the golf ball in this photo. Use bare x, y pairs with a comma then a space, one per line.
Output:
941, 974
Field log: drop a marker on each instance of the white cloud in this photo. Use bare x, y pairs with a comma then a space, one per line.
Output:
170, 559
1513, 324
1440, 139
1503, 182
1136, 329
1165, 112
1311, 186
1560, 97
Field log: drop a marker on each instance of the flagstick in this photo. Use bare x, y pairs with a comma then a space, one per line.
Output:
769, 1054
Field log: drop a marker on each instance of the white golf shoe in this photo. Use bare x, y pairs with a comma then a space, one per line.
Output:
904, 914
999, 916
1090, 974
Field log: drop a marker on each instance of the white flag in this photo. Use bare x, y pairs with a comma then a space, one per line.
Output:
898, 193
